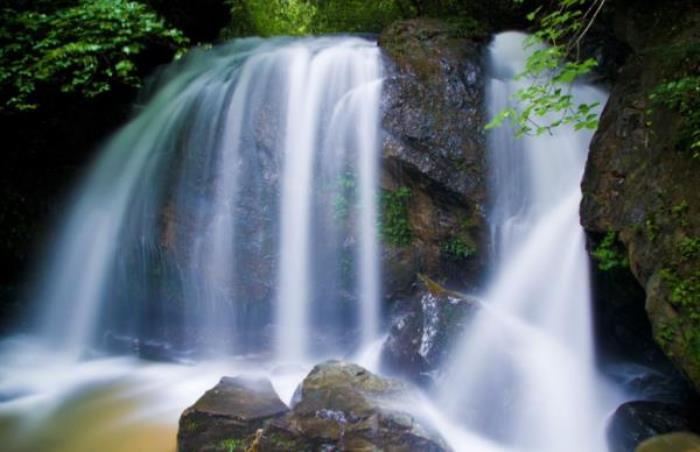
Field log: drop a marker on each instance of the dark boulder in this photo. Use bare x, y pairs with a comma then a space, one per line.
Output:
640, 182
660, 383
228, 414
634, 422
423, 330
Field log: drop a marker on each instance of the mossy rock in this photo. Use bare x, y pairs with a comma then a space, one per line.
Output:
673, 442
640, 187
226, 418
345, 407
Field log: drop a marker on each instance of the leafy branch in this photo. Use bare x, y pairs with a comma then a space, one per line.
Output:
553, 65
86, 48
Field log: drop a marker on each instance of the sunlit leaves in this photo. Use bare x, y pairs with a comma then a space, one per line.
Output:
86, 48
552, 67
302, 17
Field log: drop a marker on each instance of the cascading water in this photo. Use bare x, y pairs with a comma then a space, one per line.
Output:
253, 163
332, 110
233, 221
237, 213
523, 376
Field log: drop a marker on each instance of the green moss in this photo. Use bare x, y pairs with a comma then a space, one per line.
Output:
680, 213
457, 248
395, 226
282, 442
190, 425
609, 254
679, 210
652, 228
233, 445
679, 91
464, 26
689, 247
684, 290
666, 334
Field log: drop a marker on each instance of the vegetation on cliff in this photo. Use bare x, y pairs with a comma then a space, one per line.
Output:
87, 47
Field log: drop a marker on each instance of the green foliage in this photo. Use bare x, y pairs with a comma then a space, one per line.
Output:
233, 445
609, 254
682, 95
457, 248
190, 425
680, 209
689, 247
552, 66
280, 17
666, 333
684, 291
333, 16
86, 49
302, 17
679, 90
652, 228
395, 226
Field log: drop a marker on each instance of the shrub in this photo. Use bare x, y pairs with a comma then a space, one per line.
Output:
395, 224
86, 48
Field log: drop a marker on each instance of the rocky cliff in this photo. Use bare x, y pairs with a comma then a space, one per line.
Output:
641, 205
434, 150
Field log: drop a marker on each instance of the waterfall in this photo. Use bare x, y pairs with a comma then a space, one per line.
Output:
236, 212
342, 84
523, 375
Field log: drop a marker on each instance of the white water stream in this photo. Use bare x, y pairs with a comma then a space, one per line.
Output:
231, 226
227, 182
524, 376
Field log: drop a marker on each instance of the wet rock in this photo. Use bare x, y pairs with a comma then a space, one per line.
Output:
423, 330
660, 384
434, 145
433, 102
340, 406
346, 407
673, 442
228, 414
640, 179
634, 422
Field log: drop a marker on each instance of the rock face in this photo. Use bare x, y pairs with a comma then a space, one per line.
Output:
227, 414
640, 183
434, 146
634, 422
423, 329
345, 407
341, 407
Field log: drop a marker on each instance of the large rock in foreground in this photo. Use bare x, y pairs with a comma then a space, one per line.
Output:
346, 407
227, 414
341, 406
